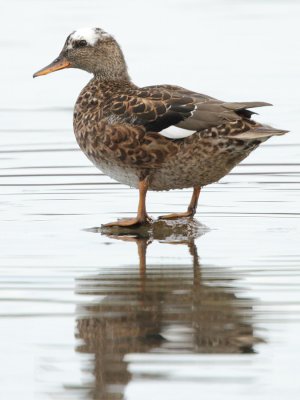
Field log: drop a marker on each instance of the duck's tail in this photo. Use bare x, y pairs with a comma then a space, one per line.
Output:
257, 131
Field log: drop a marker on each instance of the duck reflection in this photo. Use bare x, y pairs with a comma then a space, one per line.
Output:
159, 308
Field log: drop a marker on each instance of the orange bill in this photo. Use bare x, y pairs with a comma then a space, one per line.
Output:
56, 65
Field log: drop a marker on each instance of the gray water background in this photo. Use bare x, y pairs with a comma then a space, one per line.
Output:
214, 317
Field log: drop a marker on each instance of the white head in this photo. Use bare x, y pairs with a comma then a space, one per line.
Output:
86, 36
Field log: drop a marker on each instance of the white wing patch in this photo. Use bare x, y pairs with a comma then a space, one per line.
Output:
91, 35
174, 132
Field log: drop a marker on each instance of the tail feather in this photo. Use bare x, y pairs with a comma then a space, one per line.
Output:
242, 108
259, 133
245, 104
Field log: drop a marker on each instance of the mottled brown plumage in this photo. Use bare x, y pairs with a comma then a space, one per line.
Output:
120, 127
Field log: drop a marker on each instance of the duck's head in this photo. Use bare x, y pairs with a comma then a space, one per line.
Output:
94, 51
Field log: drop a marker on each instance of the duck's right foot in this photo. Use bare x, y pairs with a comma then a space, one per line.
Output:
185, 214
130, 222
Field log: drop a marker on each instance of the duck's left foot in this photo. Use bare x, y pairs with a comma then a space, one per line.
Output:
185, 214
130, 222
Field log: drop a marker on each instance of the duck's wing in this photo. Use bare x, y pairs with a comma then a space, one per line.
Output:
157, 108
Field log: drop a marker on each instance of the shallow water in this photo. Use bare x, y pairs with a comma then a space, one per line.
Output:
207, 308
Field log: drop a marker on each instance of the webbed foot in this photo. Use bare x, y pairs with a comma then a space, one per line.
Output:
128, 222
185, 214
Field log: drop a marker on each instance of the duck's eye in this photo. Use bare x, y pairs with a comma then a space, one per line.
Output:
81, 43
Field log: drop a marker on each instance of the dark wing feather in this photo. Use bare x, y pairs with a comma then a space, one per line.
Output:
155, 108
158, 107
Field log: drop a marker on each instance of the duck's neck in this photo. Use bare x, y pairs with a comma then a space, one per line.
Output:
119, 74
111, 83
112, 66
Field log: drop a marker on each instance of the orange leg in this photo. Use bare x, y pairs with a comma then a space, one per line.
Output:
191, 208
142, 216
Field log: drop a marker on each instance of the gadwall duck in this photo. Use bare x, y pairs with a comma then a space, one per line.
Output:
130, 133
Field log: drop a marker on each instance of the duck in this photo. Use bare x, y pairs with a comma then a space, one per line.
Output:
160, 137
